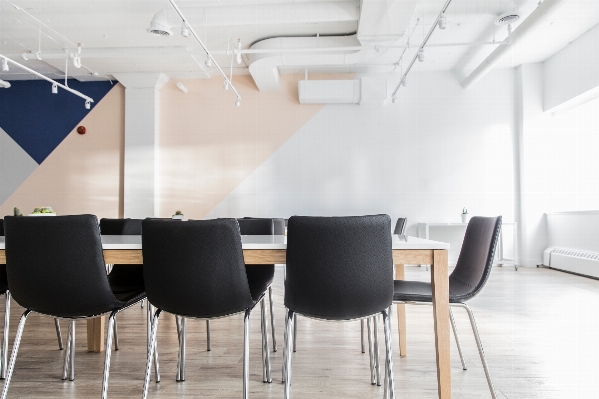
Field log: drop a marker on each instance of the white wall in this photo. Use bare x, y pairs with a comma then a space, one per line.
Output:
561, 167
438, 149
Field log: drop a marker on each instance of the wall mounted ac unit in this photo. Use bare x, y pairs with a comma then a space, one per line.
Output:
364, 91
572, 260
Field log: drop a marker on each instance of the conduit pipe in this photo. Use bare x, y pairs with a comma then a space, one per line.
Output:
534, 20
140, 52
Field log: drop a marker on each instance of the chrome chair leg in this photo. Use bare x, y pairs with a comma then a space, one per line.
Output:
371, 351
208, 344
288, 352
183, 348
362, 334
480, 349
151, 348
377, 361
246, 354
178, 322
272, 320
266, 377
15, 350
72, 361
58, 333
67, 356
142, 303
295, 333
457, 339
116, 335
284, 367
389, 355
149, 324
109, 337
4, 359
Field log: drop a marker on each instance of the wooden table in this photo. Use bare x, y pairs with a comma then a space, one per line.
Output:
271, 250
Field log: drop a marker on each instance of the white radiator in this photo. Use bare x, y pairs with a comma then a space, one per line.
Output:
572, 260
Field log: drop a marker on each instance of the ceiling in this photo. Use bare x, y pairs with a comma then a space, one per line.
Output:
114, 38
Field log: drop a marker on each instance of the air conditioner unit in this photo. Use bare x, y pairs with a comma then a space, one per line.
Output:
364, 91
572, 260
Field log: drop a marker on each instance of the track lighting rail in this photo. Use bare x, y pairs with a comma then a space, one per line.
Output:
87, 99
208, 54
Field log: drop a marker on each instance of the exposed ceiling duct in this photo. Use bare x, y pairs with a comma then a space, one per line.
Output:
534, 20
381, 23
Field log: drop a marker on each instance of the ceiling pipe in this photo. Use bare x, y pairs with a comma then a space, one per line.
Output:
534, 20
161, 52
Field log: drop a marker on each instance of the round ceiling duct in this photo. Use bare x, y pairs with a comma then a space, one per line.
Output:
159, 25
507, 19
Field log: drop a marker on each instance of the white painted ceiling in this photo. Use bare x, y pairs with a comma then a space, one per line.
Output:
114, 37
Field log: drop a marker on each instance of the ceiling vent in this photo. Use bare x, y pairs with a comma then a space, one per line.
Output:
159, 25
507, 19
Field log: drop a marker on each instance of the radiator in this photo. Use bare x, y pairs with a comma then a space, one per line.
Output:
572, 260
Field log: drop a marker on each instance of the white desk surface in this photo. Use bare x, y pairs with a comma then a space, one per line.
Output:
266, 242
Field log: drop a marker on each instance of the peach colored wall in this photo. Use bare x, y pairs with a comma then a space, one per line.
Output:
84, 173
208, 146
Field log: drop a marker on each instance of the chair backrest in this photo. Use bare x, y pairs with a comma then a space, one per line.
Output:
400, 226
1, 227
112, 227
255, 226
195, 268
339, 267
55, 265
476, 257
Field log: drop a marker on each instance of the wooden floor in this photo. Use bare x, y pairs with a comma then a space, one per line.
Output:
539, 328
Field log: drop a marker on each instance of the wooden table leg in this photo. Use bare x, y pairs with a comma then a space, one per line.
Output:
95, 334
401, 314
440, 285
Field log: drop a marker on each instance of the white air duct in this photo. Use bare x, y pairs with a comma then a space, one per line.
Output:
4, 84
534, 20
363, 91
381, 23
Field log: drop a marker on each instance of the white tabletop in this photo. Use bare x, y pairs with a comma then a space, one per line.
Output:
266, 242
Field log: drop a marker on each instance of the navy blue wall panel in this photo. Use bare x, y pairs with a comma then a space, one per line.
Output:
39, 120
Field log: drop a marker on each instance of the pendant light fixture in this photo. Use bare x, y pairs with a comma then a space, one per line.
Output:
159, 25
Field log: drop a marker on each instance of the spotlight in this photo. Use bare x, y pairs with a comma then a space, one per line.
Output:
54, 88
421, 55
159, 25
442, 21
226, 85
238, 102
4, 65
88, 105
181, 87
208, 62
393, 99
404, 82
184, 30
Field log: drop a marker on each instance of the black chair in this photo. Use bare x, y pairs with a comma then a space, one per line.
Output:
4, 290
261, 277
400, 226
55, 267
338, 268
467, 279
196, 270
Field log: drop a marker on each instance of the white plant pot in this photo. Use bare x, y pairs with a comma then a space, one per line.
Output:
41, 214
465, 218
178, 217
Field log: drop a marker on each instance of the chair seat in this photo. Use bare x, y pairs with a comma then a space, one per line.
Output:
260, 277
418, 291
131, 297
126, 278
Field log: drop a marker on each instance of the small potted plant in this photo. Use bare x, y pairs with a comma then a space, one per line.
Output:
43, 211
178, 215
464, 215
17, 212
